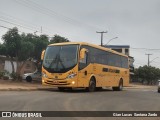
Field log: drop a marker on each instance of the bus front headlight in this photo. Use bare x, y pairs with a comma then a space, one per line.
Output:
44, 75
73, 82
71, 75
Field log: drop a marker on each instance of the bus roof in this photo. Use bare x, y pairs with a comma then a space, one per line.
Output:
89, 44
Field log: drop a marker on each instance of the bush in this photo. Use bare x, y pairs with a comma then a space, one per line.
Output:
15, 76
5, 78
1, 74
4, 74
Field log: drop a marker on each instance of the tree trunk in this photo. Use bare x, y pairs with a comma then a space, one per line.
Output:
11, 60
19, 67
17, 71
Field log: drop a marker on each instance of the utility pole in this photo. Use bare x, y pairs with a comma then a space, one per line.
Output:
148, 58
102, 36
41, 29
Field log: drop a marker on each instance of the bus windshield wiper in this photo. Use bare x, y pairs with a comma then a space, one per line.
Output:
61, 62
54, 60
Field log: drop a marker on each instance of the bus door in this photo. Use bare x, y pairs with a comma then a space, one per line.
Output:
83, 69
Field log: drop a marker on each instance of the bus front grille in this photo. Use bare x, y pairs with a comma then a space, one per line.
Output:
56, 82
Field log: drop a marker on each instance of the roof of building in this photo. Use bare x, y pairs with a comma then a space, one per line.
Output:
117, 46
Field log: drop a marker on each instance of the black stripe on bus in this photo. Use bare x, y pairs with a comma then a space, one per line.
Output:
105, 70
110, 70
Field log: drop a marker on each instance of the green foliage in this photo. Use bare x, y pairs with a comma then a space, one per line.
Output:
15, 76
12, 42
41, 43
24, 46
58, 39
148, 74
4, 74
35, 43
2, 49
26, 50
1, 74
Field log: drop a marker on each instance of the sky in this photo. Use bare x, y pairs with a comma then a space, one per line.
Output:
134, 22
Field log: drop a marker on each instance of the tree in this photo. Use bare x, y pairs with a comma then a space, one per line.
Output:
58, 39
2, 49
26, 51
24, 46
148, 74
12, 43
41, 43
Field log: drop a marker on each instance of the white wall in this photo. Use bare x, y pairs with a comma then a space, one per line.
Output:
8, 66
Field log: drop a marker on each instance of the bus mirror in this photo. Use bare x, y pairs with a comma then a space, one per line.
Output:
42, 54
83, 53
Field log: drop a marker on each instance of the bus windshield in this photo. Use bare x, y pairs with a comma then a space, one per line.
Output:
60, 59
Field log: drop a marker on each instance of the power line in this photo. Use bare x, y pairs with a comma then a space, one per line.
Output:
16, 24
37, 9
143, 48
11, 18
138, 63
33, 26
51, 13
9, 28
60, 15
156, 62
5, 27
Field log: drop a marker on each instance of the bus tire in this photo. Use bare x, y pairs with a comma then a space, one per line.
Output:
61, 88
69, 88
92, 85
120, 86
29, 79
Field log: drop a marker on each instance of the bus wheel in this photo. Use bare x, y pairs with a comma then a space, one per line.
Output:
92, 85
70, 88
61, 88
120, 86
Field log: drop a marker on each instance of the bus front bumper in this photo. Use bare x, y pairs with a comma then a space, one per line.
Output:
60, 83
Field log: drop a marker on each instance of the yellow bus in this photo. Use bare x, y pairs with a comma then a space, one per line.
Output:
82, 65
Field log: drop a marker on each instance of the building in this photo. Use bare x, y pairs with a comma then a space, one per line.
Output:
27, 66
5, 64
120, 48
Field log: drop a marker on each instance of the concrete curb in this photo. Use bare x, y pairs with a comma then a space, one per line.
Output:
26, 89
17, 89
